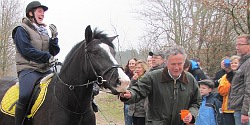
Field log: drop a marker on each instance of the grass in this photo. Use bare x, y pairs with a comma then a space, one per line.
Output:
110, 109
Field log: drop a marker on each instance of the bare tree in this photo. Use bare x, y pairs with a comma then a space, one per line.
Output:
237, 10
9, 18
202, 29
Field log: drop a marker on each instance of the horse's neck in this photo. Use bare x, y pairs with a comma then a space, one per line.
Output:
77, 95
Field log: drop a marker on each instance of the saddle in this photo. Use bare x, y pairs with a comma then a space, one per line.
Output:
8, 103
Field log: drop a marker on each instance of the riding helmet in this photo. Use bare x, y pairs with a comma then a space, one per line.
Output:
33, 5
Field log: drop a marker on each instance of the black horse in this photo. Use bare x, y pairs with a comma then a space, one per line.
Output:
68, 101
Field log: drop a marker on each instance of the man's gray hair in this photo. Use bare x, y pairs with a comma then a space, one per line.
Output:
246, 36
174, 50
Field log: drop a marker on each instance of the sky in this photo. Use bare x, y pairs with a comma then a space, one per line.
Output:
111, 16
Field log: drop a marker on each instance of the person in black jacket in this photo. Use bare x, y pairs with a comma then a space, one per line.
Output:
196, 71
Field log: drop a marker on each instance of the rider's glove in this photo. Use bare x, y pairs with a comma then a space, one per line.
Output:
52, 61
53, 30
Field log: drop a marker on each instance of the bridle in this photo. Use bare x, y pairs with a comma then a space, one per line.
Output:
99, 78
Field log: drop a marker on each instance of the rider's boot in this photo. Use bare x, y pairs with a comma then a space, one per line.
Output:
20, 113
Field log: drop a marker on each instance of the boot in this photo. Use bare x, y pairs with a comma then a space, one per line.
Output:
20, 113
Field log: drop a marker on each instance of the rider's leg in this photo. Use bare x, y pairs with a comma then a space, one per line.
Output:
27, 80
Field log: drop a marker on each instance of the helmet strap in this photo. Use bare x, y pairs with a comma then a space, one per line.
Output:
33, 16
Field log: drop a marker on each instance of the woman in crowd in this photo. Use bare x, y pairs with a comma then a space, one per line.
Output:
137, 110
129, 71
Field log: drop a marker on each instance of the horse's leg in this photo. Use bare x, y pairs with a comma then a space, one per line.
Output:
89, 119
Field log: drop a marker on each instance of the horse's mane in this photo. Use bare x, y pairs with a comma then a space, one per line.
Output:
97, 34
100, 35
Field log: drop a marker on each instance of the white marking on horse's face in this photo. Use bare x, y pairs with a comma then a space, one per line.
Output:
124, 79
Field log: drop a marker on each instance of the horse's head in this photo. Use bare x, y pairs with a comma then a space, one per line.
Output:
100, 54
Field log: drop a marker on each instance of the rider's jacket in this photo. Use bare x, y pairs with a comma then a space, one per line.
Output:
33, 48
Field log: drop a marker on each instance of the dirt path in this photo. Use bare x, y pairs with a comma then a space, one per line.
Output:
111, 110
100, 120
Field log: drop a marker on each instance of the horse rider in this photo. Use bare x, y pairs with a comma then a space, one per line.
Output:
35, 51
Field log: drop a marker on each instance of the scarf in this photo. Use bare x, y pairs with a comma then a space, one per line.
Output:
41, 29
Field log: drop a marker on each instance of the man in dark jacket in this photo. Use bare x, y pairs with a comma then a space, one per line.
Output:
239, 96
158, 60
169, 90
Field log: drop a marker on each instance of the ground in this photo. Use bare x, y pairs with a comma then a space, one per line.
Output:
110, 110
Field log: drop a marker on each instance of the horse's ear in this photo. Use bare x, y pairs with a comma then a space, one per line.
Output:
112, 38
88, 34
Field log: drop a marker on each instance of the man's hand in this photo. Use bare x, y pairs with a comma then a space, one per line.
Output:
53, 30
126, 94
244, 119
188, 118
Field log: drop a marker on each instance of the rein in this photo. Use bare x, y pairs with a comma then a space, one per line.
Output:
72, 87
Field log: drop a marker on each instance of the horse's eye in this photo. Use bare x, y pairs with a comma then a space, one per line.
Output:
95, 52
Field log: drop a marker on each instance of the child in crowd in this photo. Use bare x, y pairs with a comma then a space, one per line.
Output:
224, 89
209, 110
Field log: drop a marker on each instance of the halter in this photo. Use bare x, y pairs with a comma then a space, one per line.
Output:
99, 79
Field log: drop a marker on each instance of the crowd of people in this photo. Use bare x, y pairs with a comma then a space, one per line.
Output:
174, 83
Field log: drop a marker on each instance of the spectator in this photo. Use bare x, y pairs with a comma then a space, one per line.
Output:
196, 71
158, 61
130, 67
209, 111
197, 61
224, 89
129, 71
239, 96
149, 61
186, 65
169, 90
220, 73
137, 110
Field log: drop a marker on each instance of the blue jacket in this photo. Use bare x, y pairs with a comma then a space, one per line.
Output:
196, 71
209, 111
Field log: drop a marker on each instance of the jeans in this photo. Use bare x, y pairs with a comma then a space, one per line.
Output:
27, 81
128, 119
237, 118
